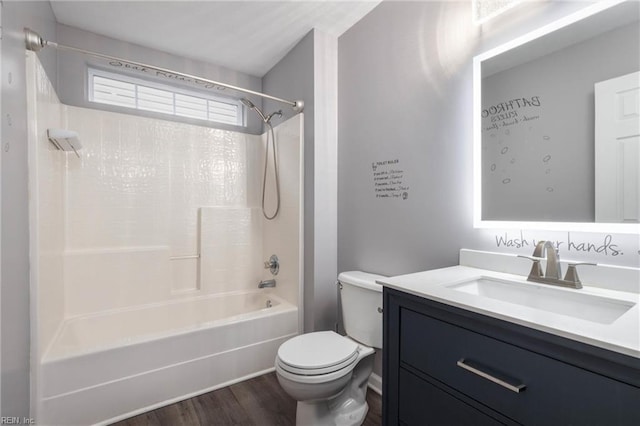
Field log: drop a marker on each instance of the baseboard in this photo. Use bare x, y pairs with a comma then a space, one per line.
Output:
375, 383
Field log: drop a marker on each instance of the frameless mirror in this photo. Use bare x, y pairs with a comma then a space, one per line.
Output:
557, 123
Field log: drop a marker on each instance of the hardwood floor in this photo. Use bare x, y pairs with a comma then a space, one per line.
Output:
259, 401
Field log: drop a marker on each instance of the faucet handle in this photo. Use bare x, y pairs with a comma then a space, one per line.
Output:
572, 273
273, 264
536, 269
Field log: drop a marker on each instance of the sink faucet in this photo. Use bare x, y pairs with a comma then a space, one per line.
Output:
553, 274
545, 248
267, 283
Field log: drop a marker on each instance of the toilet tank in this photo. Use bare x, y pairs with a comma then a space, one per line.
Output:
361, 300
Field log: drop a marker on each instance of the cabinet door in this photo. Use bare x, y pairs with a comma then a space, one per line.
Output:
422, 403
523, 385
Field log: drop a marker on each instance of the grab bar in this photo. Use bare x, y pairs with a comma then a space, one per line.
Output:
188, 256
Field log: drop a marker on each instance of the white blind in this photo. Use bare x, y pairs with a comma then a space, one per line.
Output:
122, 90
113, 92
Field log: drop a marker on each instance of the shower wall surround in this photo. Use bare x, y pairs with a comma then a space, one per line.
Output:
281, 236
124, 224
145, 191
46, 182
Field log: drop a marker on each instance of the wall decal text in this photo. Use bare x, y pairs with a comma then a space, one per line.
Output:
389, 180
606, 247
508, 113
166, 75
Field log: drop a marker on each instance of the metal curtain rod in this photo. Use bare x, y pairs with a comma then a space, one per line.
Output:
35, 42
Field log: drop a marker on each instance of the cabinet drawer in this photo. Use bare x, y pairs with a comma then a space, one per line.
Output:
421, 403
552, 392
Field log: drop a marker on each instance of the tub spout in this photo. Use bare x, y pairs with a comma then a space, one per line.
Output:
267, 283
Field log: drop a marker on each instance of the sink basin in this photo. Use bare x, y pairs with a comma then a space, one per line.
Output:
573, 303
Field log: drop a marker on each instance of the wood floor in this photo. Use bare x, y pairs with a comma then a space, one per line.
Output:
259, 401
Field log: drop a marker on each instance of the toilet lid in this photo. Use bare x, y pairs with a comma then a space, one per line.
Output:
317, 350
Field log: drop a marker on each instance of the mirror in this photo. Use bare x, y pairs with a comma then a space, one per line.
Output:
547, 151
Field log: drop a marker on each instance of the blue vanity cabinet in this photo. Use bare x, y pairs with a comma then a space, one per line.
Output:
445, 365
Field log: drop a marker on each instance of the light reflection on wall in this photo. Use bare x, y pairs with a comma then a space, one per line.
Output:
484, 10
455, 41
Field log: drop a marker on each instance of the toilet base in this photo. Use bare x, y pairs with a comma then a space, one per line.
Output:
348, 408
319, 413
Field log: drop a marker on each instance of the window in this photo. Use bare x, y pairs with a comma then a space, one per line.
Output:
129, 92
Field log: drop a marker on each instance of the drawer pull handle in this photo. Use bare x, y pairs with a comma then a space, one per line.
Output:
475, 370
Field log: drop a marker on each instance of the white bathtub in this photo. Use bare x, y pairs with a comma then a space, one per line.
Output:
105, 367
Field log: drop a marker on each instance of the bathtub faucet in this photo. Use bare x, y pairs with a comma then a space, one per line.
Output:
267, 283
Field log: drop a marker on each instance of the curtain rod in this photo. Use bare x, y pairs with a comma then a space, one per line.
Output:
35, 42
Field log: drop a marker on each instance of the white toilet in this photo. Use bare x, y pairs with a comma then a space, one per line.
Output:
328, 373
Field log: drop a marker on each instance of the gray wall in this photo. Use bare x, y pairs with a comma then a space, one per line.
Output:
390, 110
14, 291
292, 78
306, 73
522, 185
405, 80
72, 73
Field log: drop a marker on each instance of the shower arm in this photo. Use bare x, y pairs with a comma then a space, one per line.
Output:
35, 42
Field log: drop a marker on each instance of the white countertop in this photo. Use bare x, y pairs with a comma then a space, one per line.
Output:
623, 335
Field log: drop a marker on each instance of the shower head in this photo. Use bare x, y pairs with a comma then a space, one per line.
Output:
247, 103
250, 105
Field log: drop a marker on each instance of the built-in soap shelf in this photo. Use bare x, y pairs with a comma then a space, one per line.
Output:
65, 140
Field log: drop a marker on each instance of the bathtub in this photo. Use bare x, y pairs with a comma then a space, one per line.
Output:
105, 367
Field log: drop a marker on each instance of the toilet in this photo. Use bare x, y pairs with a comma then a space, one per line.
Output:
328, 373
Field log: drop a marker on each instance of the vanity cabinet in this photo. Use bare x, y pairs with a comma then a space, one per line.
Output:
445, 365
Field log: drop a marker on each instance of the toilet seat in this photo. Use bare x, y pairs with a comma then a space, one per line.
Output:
317, 353
318, 371
315, 378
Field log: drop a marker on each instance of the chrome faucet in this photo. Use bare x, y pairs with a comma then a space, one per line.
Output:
273, 264
546, 249
553, 272
267, 283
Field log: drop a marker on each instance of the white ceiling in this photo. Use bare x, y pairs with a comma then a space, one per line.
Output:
247, 36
